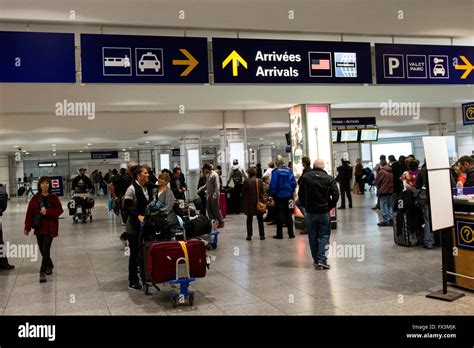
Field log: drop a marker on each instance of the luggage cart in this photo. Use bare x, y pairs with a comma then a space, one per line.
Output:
74, 206
213, 236
183, 279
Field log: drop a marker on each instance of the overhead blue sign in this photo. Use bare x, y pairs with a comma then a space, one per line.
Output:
468, 114
424, 64
37, 57
285, 61
104, 155
143, 59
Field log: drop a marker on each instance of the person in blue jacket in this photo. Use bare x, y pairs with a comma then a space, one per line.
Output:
282, 187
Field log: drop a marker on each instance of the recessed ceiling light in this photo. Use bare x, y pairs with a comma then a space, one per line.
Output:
261, 138
53, 144
130, 148
90, 144
272, 143
81, 151
54, 150
27, 153
24, 151
147, 142
211, 140
54, 154
124, 150
16, 146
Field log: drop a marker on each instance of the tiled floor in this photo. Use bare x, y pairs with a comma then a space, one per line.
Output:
271, 277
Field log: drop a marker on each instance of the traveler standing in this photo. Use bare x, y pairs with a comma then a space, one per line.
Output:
344, 177
238, 176
282, 187
422, 184
383, 158
202, 194
42, 215
268, 172
166, 197
318, 194
359, 173
384, 182
409, 176
466, 164
306, 162
398, 168
136, 200
3, 206
212, 189
253, 194
259, 171
178, 184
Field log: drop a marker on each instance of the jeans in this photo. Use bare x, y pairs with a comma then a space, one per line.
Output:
44, 244
3, 258
213, 210
133, 262
319, 231
428, 234
347, 190
261, 230
386, 207
283, 214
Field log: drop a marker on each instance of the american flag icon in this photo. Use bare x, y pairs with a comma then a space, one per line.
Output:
320, 64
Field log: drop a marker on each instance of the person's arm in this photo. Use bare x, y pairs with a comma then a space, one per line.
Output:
293, 184
29, 215
261, 192
333, 194
273, 184
302, 192
169, 201
128, 202
112, 191
56, 209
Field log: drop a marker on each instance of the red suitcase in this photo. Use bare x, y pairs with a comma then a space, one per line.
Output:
161, 257
223, 204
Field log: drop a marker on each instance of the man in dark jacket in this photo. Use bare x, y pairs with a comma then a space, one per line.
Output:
466, 164
398, 168
422, 184
384, 183
178, 184
344, 177
282, 187
82, 183
3, 206
318, 194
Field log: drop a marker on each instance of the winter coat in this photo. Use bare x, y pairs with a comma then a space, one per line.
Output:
283, 183
384, 181
250, 195
50, 221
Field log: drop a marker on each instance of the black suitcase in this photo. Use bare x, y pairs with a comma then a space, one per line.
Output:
402, 234
21, 191
198, 226
407, 220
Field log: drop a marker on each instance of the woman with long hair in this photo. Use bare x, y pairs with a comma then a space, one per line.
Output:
42, 215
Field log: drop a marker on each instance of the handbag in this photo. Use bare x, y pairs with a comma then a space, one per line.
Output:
355, 189
261, 207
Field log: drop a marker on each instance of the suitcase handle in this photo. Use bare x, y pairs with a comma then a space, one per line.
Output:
186, 257
179, 262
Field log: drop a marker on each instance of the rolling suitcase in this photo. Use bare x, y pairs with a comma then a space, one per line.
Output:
161, 258
402, 234
223, 204
407, 220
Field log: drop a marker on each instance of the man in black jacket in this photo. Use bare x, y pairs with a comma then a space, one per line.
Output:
318, 194
398, 168
424, 204
344, 177
466, 164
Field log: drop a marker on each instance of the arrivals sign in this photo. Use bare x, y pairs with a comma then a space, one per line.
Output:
424, 64
104, 155
143, 59
285, 61
353, 121
468, 114
37, 57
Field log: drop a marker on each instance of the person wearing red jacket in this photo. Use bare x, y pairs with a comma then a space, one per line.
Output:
384, 182
44, 210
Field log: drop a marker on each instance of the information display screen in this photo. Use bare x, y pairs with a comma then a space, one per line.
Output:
334, 136
369, 134
349, 135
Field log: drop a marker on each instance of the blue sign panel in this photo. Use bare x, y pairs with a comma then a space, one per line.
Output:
57, 186
37, 57
284, 61
424, 64
468, 114
143, 59
465, 234
104, 155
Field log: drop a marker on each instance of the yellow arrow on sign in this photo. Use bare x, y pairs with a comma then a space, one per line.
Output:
191, 62
467, 66
236, 59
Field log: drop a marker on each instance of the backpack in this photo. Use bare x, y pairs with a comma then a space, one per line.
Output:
3, 199
237, 176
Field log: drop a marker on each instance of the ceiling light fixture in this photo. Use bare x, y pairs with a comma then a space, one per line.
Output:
16, 146
90, 144
124, 149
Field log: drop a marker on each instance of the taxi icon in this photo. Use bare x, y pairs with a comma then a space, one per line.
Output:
149, 61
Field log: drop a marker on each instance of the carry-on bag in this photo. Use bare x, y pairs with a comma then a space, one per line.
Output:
197, 226
223, 204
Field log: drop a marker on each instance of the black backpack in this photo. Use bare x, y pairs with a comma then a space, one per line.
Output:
237, 176
3, 199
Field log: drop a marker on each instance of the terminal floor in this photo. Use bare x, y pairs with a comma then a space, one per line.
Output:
270, 277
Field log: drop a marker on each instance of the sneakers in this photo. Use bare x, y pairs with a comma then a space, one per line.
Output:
49, 270
249, 238
43, 277
135, 285
7, 267
383, 224
292, 236
321, 266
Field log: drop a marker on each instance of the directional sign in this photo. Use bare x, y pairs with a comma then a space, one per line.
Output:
284, 61
143, 59
37, 57
57, 186
424, 64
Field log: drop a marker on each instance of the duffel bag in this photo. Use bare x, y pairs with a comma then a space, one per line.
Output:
198, 226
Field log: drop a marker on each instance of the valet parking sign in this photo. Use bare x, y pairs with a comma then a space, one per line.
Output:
284, 61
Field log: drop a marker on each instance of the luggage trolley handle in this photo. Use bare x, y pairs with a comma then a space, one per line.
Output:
180, 262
